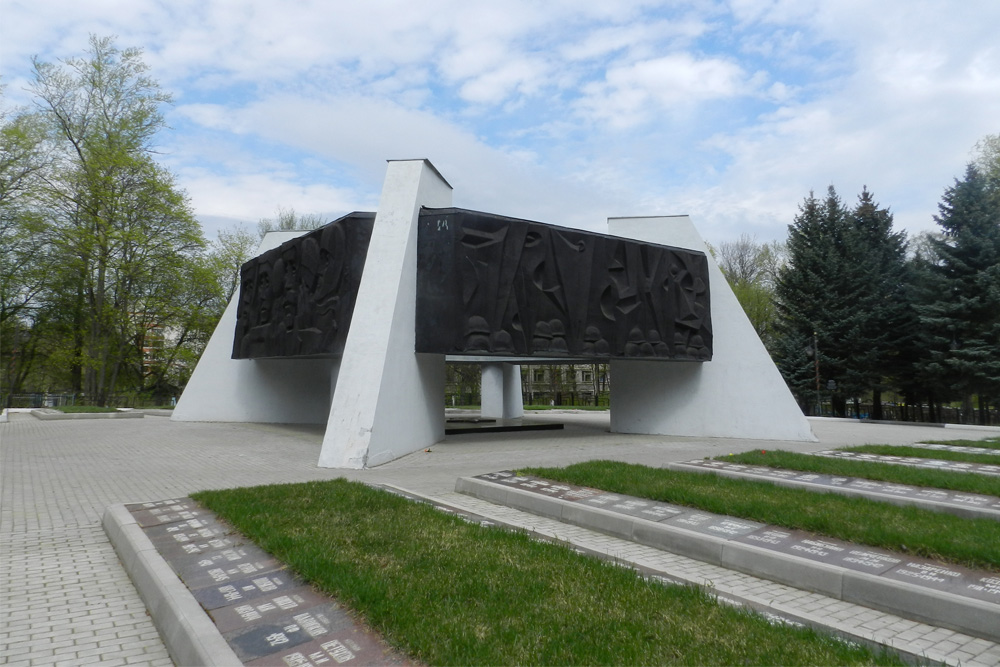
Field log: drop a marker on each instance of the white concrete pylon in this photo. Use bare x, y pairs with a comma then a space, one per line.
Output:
388, 399
738, 394
281, 391
501, 391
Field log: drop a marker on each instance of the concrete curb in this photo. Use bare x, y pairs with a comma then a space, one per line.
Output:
939, 608
55, 415
965, 512
189, 634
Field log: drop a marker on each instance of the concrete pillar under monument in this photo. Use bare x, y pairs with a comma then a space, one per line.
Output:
501, 391
739, 394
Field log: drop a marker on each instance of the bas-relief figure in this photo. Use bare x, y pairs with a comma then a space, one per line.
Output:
486, 286
490, 285
297, 299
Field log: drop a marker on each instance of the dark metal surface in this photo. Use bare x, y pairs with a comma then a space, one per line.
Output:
298, 299
488, 285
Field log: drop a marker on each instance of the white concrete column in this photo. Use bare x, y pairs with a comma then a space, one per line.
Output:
501, 391
283, 391
388, 400
738, 394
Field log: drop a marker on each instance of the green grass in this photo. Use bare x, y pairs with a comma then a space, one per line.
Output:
920, 452
73, 409
883, 472
988, 443
970, 542
447, 592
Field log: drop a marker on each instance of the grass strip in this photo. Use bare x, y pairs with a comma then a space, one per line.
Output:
883, 472
988, 443
919, 452
447, 592
971, 542
76, 409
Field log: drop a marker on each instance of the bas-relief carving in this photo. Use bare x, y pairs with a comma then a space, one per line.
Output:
489, 285
297, 299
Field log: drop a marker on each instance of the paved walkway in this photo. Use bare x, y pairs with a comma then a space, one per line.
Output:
65, 597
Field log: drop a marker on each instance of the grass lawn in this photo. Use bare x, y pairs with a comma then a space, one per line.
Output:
919, 452
883, 472
73, 409
447, 592
971, 542
988, 443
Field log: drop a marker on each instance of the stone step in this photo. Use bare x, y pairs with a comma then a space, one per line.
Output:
943, 595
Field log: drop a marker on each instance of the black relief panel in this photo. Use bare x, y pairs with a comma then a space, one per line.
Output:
494, 286
297, 299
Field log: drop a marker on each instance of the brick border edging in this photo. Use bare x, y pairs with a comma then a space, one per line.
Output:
940, 608
187, 631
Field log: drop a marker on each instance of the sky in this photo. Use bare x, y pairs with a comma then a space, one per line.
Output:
561, 111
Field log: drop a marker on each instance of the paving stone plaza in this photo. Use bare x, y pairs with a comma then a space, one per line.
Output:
67, 599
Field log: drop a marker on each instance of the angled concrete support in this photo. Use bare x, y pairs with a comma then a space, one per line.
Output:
739, 394
388, 400
501, 391
283, 391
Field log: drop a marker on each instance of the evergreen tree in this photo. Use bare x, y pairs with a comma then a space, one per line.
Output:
882, 311
961, 309
841, 300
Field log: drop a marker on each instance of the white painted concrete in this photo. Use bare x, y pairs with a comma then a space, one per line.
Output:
739, 394
388, 399
283, 391
501, 391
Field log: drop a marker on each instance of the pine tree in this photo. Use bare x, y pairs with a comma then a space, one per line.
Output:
961, 309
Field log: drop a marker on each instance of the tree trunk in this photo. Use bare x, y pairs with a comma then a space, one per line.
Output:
877, 404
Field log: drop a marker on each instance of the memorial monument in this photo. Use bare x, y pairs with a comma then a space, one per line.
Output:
351, 324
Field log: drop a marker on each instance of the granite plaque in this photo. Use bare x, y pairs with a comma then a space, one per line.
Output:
266, 638
714, 524
164, 511
345, 647
936, 464
245, 590
948, 578
864, 486
201, 529
267, 609
205, 571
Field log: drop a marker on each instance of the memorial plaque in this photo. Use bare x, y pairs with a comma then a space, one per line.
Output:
266, 638
164, 511
192, 530
864, 559
345, 647
204, 572
267, 609
245, 590
603, 499
936, 464
985, 588
714, 524
646, 509
948, 578
956, 448
799, 543
489, 285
